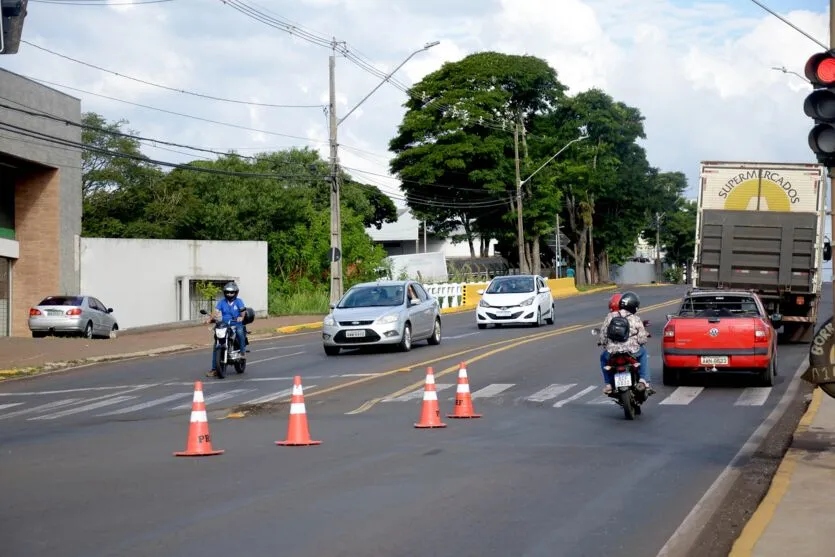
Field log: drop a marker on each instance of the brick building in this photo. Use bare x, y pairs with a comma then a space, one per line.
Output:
40, 198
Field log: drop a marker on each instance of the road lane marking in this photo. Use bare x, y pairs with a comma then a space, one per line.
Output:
281, 347
10, 405
492, 389
42, 408
144, 405
215, 398
550, 392
753, 396
273, 396
509, 343
465, 335
82, 389
563, 402
602, 399
683, 396
85, 408
274, 358
418, 393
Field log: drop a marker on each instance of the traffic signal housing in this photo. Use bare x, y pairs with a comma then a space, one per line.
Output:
820, 105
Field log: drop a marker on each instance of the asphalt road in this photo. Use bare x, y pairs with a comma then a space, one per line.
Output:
551, 469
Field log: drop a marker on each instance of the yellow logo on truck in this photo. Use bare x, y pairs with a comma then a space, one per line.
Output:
774, 193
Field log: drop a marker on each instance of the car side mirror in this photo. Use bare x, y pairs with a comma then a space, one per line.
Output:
332, 306
544, 290
776, 319
670, 316
480, 291
109, 310
413, 301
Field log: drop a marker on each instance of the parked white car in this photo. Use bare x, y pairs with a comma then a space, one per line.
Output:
515, 299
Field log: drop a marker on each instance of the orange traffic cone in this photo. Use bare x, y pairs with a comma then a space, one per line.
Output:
431, 414
297, 431
199, 441
463, 400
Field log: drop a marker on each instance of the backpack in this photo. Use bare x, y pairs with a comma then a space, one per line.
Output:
618, 329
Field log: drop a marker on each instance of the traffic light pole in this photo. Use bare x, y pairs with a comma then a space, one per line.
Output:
831, 170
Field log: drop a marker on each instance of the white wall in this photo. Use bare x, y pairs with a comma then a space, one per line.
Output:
138, 278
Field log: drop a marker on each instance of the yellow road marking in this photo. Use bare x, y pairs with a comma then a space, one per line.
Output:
532, 337
759, 521
517, 342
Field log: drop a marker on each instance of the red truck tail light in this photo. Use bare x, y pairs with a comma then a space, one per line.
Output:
761, 333
74, 311
670, 333
33, 312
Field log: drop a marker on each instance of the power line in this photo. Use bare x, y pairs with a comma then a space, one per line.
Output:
237, 126
104, 3
790, 24
176, 90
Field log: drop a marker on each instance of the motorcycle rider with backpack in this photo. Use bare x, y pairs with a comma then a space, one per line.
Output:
623, 331
234, 309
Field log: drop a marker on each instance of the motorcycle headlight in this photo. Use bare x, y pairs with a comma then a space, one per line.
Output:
329, 321
390, 318
527, 302
220, 333
483, 304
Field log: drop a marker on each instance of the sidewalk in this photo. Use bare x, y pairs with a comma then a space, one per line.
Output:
797, 515
28, 352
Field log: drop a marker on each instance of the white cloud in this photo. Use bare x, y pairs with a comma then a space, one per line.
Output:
700, 72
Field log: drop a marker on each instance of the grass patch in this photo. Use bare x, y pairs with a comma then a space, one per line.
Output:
303, 302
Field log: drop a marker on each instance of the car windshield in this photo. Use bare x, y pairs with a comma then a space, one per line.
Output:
61, 301
373, 296
719, 306
511, 285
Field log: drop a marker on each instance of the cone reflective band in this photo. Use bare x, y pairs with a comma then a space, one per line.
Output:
463, 398
199, 442
298, 433
430, 415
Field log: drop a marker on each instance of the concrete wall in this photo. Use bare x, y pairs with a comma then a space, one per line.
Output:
139, 278
633, 272
47, 190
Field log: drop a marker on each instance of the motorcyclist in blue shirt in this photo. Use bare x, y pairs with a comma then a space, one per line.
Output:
230, 308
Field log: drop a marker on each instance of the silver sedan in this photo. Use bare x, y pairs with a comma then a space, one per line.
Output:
78, 315
384, 312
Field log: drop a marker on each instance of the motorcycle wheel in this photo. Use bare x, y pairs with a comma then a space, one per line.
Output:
628, 403
221, 365
240, 366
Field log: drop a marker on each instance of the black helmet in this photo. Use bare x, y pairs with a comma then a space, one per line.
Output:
630, 302
230, 290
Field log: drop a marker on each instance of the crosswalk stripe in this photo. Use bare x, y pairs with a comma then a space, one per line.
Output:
549, 392
41, 408
10, 405
683, 396
492, 390
274, 396
753, 396
563, 402
149, 404
418, 393
85, 408
215, 398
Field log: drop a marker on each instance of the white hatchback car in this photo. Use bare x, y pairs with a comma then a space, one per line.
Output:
515, 299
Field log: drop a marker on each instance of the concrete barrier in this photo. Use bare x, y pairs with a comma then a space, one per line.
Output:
563, 287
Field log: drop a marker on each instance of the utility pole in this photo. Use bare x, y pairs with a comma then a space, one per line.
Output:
520, 236
559, 245
336, 280
336, 289
658, 217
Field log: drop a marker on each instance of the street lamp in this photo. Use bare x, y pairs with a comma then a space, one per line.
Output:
336, 284
519, 221
784, 70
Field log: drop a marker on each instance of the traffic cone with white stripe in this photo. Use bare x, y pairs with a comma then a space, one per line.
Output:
199, 441
431, 414
463, 399
297, 430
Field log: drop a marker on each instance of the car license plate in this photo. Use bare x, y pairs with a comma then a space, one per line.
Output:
623, 379
503, 312
355, 334
714, 360
54, 312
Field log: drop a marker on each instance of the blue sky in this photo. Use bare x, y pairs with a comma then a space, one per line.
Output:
700, 72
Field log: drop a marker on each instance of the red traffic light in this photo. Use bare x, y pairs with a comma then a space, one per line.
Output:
820, 69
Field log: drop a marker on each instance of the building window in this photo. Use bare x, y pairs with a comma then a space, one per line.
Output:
7, 185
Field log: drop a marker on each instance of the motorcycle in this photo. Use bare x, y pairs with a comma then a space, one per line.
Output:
625, 390
226, 343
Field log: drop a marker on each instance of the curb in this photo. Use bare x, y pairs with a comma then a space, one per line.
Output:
759, 521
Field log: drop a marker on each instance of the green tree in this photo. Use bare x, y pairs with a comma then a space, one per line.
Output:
454, 150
